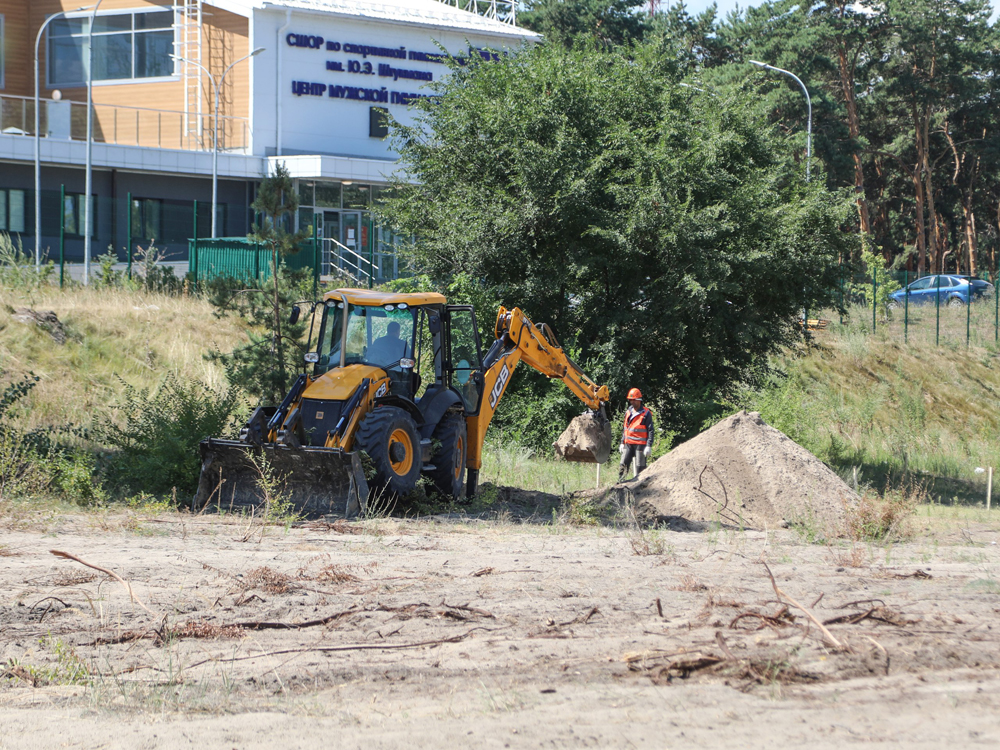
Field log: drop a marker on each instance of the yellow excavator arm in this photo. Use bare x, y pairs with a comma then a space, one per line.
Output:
517, 340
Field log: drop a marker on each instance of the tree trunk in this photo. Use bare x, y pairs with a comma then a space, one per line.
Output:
854, 129
969, 221
924, 160
921, 240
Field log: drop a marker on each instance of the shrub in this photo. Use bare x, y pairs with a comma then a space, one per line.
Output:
878, 518
156, 434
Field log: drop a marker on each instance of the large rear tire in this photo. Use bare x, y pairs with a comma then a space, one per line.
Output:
390, 438
449, 458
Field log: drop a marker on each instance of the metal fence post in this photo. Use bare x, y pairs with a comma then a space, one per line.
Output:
968, 314
128, 233
62, 234
874, 296
996, 305
937, 306
906, 306
841, 286
195, 259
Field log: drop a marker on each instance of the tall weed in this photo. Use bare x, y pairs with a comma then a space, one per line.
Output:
154, 434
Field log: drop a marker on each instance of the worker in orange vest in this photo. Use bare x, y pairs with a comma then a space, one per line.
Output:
637, 438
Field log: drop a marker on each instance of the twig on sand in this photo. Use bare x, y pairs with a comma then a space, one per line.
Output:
355, 647
829, 637
122, 581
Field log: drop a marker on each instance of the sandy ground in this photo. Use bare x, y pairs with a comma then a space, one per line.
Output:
465, 633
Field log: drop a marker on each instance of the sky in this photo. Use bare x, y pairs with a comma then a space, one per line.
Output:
695, 7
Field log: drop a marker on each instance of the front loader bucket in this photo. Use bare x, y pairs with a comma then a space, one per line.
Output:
317, 481
587, 439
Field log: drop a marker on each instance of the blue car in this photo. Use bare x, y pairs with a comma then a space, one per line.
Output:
954, 290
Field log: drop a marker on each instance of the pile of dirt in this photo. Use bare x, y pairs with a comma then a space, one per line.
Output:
744, 473
587, 439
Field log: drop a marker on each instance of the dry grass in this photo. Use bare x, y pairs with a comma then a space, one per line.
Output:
112, 333
876, 518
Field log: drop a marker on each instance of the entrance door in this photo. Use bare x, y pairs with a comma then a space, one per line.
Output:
331, 253
354, 236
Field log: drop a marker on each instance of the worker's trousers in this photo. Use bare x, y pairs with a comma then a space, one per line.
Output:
633, 453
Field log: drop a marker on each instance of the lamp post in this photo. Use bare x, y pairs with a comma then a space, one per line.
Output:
38, 137
87, 206
216, 85
808, 104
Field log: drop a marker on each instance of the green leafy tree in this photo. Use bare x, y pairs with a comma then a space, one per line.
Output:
607, 23
265, 366
664, 236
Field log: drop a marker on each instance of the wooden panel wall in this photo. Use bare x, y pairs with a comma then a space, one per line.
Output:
19, 49
225, 38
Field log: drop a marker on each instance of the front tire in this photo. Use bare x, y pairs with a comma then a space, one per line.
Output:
390, 438
450, 457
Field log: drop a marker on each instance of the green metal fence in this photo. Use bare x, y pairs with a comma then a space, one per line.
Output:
242, 258
937, 314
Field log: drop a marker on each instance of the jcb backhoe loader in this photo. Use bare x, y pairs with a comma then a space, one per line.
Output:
401, 377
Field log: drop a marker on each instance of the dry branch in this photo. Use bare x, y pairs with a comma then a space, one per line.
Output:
830, 639
122, 581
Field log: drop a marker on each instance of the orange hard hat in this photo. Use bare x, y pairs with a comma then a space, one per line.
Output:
635, 393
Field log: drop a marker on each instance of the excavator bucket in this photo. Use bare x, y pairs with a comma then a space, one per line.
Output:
317, 481
587, 439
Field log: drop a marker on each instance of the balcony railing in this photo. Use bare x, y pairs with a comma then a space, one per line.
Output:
127, 126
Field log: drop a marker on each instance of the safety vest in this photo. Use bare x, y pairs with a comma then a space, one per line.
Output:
635, 428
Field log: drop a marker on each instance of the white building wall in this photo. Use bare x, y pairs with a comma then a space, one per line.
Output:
313, 121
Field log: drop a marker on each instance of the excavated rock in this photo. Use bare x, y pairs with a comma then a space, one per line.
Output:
587, 439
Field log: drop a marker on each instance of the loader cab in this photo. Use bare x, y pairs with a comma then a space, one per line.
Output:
425, 345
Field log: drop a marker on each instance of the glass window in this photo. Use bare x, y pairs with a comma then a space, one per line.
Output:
69, 215
306, 219
152, 55
464, 356
74, 206
156, 20
919, 284
112, 57
147, 219
306, 193
328, 194
127, 46
15, 215
3, 210
375, 336
356, 196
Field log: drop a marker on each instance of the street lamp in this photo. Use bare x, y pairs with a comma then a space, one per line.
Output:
87, 207
38, 158
808, 104
216, 85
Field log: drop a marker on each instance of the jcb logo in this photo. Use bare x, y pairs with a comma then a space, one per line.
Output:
382, 390
498, 386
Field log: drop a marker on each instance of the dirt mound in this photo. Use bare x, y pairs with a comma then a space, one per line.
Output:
742, 472
587, 439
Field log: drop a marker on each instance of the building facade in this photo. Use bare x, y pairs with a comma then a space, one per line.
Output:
303, 82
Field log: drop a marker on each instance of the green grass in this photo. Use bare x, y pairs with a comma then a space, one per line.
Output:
902, 414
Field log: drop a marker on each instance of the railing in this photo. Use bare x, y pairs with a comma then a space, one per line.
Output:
129, 126
504, 11
337, 257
